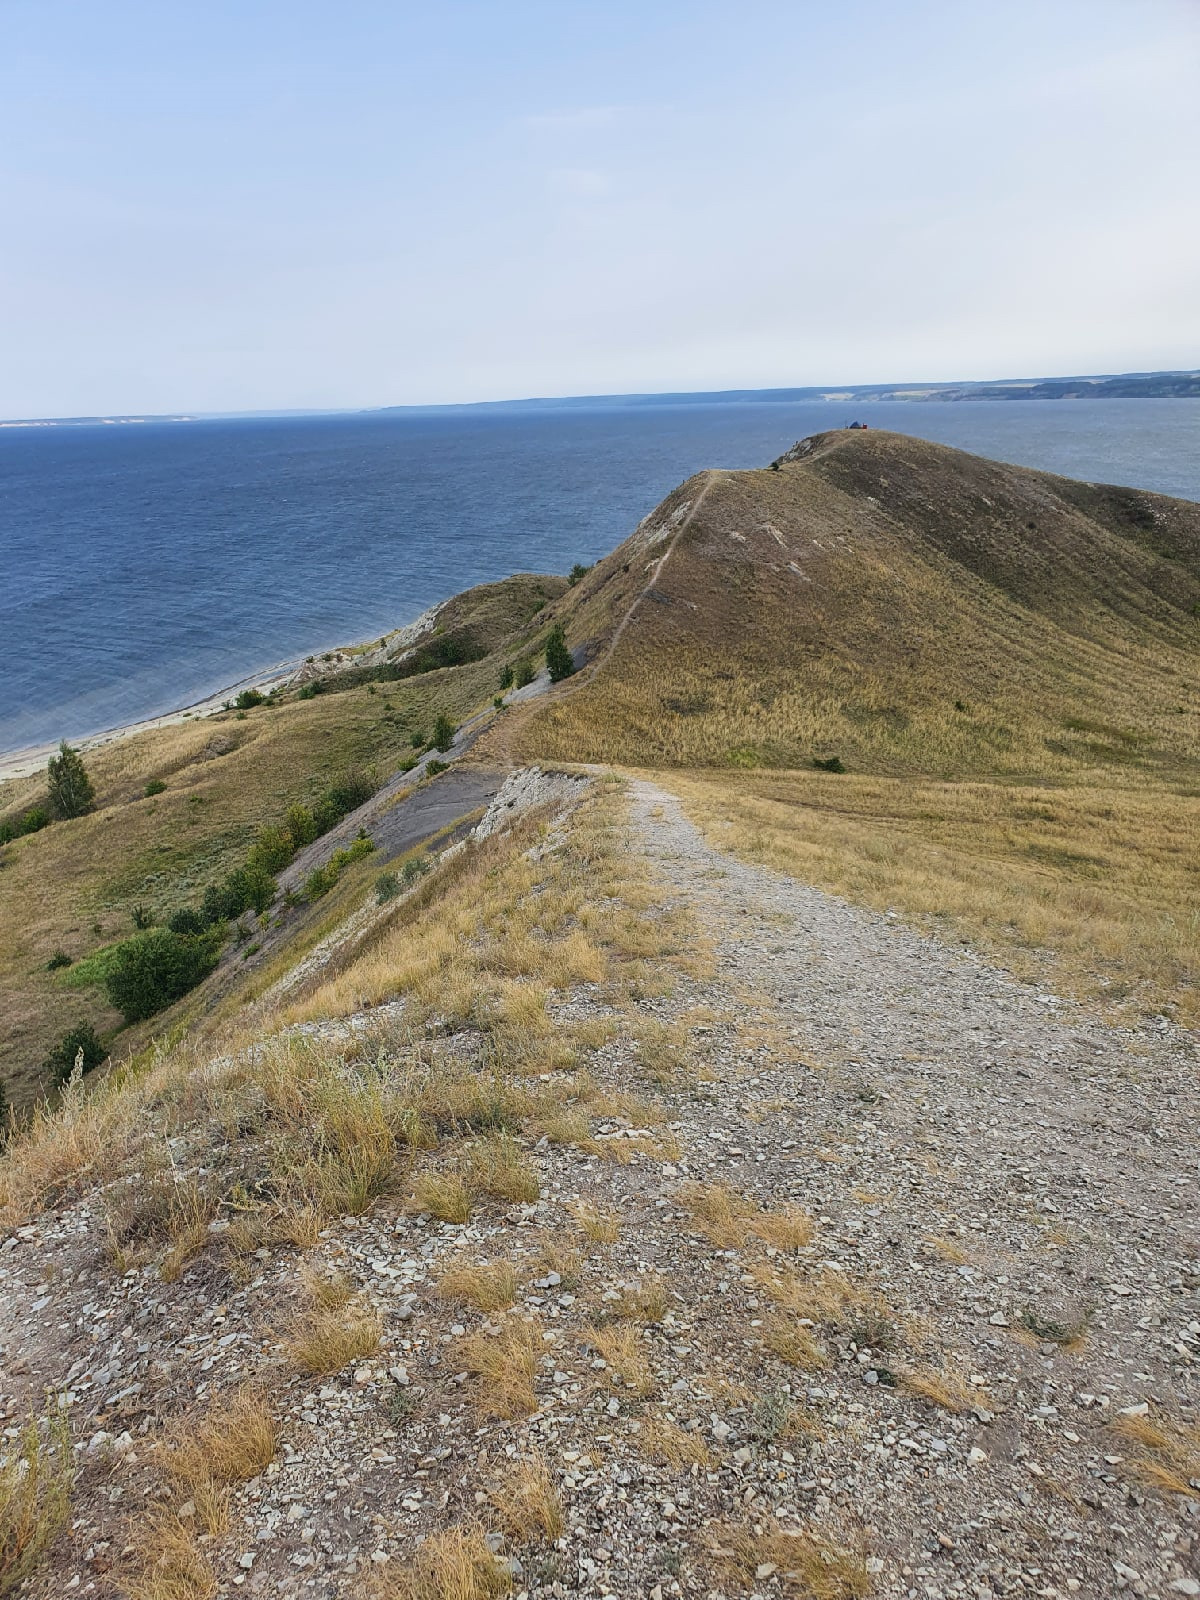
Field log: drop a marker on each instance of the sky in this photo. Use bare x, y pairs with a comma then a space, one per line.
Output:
222, 205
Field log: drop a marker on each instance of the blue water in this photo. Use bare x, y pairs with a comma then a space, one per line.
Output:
148, 565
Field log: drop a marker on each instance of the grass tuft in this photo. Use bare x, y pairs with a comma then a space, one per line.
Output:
36, 1477
330, 1340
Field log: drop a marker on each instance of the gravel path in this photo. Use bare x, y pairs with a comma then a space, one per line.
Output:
977, 1378
1058, 1157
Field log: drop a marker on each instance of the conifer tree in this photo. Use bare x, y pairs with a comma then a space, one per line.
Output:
71, 792
558, 657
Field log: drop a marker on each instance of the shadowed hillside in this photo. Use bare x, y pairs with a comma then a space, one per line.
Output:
898, 605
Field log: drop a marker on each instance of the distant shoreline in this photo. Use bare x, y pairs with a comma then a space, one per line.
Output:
1180, 384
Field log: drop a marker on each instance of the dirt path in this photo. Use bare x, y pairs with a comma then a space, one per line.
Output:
975, 1379
1009, 1171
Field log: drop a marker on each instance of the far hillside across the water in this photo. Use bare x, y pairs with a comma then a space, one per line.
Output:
895, 606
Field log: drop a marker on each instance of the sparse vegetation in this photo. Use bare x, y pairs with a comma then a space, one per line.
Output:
36, 1476
79, 1048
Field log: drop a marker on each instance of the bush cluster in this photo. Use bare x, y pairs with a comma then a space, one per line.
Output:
32, 821
153, 969
558, 656
322, 879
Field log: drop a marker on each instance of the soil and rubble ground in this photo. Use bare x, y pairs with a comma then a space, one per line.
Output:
829, 1260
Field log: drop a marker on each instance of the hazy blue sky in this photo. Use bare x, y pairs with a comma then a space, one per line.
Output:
210, 205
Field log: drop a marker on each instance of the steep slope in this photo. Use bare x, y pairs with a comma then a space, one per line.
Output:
899, 605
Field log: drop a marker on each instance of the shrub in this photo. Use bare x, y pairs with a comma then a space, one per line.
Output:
387, 887
558, 657
143, 917
81, 1040
154, 969
833, 764
417, 741
187, 922
248, 888
498, 702
59, 959
322, 879
506, 678
435, 767
155, 786
272, 850
34, 820
300, 825
443, 732
71, 791
248, 699
310, 691
524, 672
577, 571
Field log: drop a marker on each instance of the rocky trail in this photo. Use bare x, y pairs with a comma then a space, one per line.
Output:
887, 1284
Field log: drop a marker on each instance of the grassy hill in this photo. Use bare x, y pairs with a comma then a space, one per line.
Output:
72, 889
901, 606
1006, 665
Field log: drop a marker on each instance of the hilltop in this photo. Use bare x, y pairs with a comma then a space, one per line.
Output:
897, 604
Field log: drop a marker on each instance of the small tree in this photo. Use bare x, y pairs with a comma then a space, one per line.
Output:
558, 657
71, 792
443, 732
81, 1040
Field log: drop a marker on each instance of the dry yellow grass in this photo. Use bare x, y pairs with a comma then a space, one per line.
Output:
646, 1301
810, 1564
327, 1292
947, 1250
793, 1343
327, 1341
234, 1442
504, 1366
1170, 1458
168, 1563
727, 1219
454, 1564
528, 1501
487, 1287
622, 1349
598, 1225
36, 1476
444, 1195
662, 1440
945, 1388
497, 1168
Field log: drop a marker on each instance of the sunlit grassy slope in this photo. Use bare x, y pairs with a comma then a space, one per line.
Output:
1005, 663
902, 606
73, 887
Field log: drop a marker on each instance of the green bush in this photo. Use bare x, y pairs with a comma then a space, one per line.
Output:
310, 691
443, 732
387, 887
558, 657
417, 740
71, 791
833, 764
248, 888
322, 879
435, 767
524, 672
506, 678
187, 921
577, 571
57, 961
301, 827
272, 850
248, 699
155, 786
154, 969
143, 918
33, 821
60, 1063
